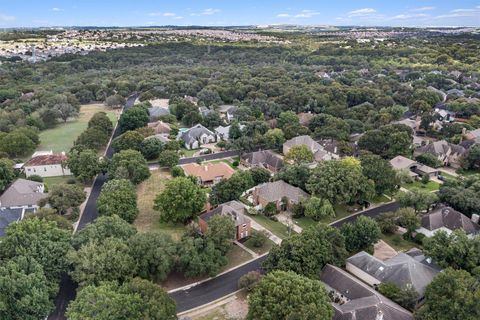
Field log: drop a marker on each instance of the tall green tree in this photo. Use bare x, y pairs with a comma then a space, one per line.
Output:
25, 292
381, 172
286, 295
102, 228
129, 164
231, 189
154, 254
308, 252
118, 197
221, 231
66, 196
133, 118
101, 121
105, 261
84, 164
198, 256
452, 295
40, 240
128, 140
6, 173
361, 234
299, 154
180, 201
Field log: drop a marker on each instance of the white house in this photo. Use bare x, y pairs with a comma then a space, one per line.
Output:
197, 136
47, 165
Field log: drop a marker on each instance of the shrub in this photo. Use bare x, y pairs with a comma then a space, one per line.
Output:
270, 209
419, 238
176, 171
249, 281
235, 163
258, 238
36, 178
71, 181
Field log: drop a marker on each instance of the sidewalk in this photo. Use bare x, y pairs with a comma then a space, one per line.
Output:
253, 254
271, 236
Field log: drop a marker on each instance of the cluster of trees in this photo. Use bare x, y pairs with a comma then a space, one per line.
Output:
97, 134
19, 142
462, 194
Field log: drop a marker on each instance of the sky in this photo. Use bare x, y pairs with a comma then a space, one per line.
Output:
44, 13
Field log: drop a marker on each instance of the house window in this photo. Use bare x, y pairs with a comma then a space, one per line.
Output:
244, 225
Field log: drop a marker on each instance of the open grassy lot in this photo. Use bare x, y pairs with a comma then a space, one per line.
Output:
236, 256
341, 211
50, 181
61, 137
418, 185
275, 227
148, 219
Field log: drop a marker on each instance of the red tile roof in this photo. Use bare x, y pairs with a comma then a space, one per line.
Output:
45, 160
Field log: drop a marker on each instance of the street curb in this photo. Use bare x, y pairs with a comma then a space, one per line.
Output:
188, 286
208, 304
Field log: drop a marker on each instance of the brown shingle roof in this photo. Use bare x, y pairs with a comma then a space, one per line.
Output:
208, 171
45, 160
449, 218
160, 127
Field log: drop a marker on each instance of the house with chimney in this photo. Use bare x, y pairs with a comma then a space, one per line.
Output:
447, 219
448, 153
234, 210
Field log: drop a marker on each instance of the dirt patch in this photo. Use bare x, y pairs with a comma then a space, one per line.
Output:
232, 308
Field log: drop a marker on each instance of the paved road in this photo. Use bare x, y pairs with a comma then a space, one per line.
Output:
212, 156
68, 288
227, 283
213, 289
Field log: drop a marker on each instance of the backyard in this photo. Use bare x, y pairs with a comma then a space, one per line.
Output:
418, 185
275, 227
397, 242
61, 137
148, 219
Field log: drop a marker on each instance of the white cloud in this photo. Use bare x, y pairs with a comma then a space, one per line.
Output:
300, 15
56, 9
409, 16
162, 14
423, 9
206, 12
6, 18
475, 12
463, 10
283, 15
362, 12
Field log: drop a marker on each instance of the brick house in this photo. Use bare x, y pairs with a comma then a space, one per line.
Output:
233, 209
264, 159
277, 191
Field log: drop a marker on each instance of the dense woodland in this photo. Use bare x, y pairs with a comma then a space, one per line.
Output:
352, 88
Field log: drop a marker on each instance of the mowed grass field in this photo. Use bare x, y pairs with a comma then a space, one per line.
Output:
61, 137
148, 219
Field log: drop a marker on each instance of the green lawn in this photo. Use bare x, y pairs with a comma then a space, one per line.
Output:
305, 222
341, 211
61, 137
418, 185
265, 248
227, 161
49, 181
188, 153
236, 256
277, 228
466, 173
397, 242
380, 199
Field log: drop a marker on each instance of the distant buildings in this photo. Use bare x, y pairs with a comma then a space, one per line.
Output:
448, 154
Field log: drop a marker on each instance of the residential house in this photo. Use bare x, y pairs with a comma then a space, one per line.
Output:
448, 220
23, 193
415, 168
160, 127
196, 136
223, 132
448, 153
204, 111
234, 210
209, 173
473, 135
264, 159
157, 112
228, 111
160, 137
452, 93
319, 152
444, 115
354, 300
276, 192
47, 165
402, 270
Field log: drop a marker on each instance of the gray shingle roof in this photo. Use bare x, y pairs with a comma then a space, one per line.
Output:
263, 158
440, 148
194, 133
402, 270
22, 193
233, 209
158, 112
275, 191
449, 218
363, 302
8, 216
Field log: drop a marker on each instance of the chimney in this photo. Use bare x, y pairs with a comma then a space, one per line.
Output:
379, 315
475, 218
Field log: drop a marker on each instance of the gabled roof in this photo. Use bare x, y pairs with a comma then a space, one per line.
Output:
158, 111
446, 217
263, 158
440, 148
402, 270
275, 191
8, 216
316, 148
232, 209
194, 133
160, 127
45, 160
362, 302
208, 171
22, 193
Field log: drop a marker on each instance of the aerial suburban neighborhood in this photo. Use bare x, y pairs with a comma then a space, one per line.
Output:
202, 162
